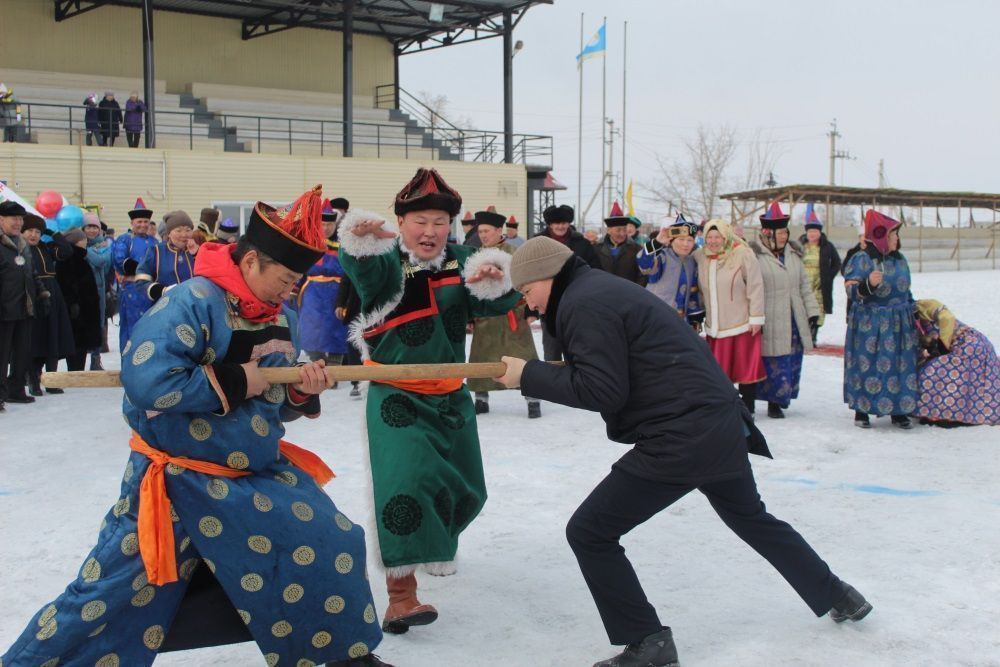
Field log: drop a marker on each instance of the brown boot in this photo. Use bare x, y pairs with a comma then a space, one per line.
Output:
404, 608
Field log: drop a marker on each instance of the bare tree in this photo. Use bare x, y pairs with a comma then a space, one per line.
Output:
438, 107
706, 169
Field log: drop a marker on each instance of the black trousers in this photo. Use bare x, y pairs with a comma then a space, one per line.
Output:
133, 139
15, 352
95, 137
623, 501
551, 347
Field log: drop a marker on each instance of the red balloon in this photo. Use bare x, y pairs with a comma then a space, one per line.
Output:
48, 203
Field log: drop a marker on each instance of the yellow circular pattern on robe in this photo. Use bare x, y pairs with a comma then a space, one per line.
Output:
200, 429
168, 400
287, 477
209, 357
302, 511
334, 604
210, 564
281, 629
344, 563
93, 610
128, 344
260, 426
304, 555
129, 471
343, 522
109, 660
174, 469
48, 663
91, 571
358, 650
143, 597
47, 630
275, 393
121, 507
303, 662
369, 614
153, 637
143, 353
98, 630
262, 502
173, 513
187, 568
47, 615
140, 580
158, 306
271, 659
244, 616
259, 543
186, 334
293, 593
185, 543
238, 460
130, 544
217, 488
321, 639
252, 582
209, 526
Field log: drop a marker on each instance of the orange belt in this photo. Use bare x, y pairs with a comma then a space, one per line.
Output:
442, 386
156, 533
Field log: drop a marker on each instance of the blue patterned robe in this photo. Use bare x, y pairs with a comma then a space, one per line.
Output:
880, 353
319, 328
290, 563
128, 251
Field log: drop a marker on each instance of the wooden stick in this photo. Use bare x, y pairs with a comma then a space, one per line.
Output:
290, 374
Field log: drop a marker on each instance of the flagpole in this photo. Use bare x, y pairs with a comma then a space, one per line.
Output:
579, 134
624, 96
604, 116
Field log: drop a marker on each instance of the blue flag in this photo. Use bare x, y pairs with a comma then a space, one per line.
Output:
595, 47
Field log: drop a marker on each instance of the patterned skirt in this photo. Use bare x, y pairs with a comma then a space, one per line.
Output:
739, 357
963, 385
783, 374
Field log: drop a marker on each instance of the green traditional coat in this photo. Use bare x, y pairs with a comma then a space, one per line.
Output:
495, 337
426, 466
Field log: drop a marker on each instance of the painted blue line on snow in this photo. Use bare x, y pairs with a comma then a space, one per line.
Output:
797, 480
885, 490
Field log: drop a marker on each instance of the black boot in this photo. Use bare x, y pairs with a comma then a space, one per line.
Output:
656, 650
534, 409
774, 411
355, 390
852, 606
34, 387
748, 392
902, 421
861, 419
370, 660
482, 403
95, 362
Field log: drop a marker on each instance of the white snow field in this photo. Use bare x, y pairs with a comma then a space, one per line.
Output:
912, 519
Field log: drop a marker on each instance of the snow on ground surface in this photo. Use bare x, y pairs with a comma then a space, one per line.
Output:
912, 519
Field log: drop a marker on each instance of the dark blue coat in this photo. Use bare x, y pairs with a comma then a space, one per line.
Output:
163, 267
630, 357
319, 328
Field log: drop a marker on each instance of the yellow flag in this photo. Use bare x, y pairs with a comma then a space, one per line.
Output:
629, 209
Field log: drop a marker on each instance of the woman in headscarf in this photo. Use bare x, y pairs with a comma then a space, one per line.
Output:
958, 380
732, 292
880, 353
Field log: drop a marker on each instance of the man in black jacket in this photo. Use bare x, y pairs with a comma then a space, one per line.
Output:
655, 383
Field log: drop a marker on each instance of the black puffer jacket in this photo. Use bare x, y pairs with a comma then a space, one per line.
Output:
580, 246
630, 357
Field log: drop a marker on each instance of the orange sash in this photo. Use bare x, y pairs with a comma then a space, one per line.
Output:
156, 533
437, 387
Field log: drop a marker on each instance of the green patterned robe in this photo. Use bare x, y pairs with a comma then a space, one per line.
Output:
427, 470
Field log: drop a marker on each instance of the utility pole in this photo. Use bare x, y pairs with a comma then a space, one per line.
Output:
834, 153
881, 173
609, 179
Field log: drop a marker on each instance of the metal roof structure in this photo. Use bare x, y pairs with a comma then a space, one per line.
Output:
411, 25
838, 194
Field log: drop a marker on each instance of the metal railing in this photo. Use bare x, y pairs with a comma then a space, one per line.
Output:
466, 144
302, 135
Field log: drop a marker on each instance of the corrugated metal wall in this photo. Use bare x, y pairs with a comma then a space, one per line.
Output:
171, 179
108, 40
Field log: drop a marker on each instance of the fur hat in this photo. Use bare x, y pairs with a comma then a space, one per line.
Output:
428, 191
561, 213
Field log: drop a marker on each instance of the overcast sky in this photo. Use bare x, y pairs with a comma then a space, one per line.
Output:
913, 82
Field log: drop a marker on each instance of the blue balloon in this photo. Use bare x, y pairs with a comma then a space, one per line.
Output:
69, 217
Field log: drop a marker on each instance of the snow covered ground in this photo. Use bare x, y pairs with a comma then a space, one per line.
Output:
912, 519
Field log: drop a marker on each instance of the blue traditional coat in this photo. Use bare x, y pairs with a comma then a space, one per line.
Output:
127, 252
880, 353
319, 328
290, 563
672, 278
163, 267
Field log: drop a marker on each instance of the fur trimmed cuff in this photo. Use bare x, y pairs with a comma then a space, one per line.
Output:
441, 568
489, 289
369, 245
758, 320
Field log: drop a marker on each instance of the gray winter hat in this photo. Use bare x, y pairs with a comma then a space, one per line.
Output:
537, 259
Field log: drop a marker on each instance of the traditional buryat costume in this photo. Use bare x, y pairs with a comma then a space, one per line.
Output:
128, 251
426, 466
165, 266
321, 334
211, 484
674, 279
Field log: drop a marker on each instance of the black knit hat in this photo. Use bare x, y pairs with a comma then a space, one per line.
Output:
340, 203
561, 213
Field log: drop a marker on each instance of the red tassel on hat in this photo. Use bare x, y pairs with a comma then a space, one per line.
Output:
304, 219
